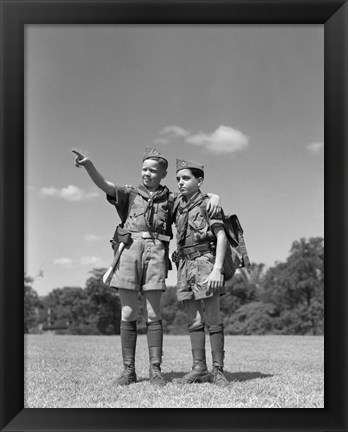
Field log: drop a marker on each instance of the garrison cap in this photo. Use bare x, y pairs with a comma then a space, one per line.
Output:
151, 152
187, 164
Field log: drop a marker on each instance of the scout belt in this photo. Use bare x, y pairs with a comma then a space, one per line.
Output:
192, 252
150, 235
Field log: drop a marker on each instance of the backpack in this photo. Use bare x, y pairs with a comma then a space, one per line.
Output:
236, 252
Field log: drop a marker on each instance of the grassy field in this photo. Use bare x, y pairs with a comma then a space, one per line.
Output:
265, 372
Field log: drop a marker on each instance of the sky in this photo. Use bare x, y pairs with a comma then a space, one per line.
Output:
246, 101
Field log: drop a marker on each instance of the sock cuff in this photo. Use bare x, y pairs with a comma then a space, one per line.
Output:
218, 328
128, 325
195, 327
154, 325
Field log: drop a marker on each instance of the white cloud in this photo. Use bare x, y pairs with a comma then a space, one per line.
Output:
69, 193
171, 132
315, 147
223, 140
93, 237
91, 194
95, 261
64, 262
49, 191
175, 130
84, 261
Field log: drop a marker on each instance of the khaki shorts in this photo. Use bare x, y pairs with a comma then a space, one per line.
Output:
142, 266
192, 276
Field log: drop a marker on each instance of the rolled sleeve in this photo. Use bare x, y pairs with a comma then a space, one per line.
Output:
120, 198
216, 221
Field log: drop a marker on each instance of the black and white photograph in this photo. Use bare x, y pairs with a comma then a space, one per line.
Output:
103, 105
178, 179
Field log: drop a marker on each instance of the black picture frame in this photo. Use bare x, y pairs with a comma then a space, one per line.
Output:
14, 16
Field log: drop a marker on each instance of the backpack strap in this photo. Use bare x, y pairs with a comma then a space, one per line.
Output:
175, 205
170, 217
239, 230
123, 215
234, 233
203, 209
132, 195
123, 211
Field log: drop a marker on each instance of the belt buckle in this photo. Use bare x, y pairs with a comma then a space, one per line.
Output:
163, 237
194, 255
146, 235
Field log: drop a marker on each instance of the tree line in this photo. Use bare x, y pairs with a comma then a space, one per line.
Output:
287, 298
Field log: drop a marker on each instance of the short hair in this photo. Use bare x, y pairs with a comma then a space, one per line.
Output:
196, 172
163, 163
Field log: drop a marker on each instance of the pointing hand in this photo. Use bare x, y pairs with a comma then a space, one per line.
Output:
80, 159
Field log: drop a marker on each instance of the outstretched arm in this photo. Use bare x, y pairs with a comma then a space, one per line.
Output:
97, 178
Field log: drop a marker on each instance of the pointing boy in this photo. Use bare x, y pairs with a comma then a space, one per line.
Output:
144, 262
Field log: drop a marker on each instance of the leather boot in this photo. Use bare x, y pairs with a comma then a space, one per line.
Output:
128, 376
156, 377
199, 372
218, 373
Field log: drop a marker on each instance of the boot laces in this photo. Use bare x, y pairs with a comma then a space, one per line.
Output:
128, 370
218, 373
156, 372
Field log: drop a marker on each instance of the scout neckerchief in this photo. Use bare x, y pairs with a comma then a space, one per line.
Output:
184, 208
157, 196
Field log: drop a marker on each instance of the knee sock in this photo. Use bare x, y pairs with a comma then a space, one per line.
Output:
155, 334
129, 335
216, 334
197, 337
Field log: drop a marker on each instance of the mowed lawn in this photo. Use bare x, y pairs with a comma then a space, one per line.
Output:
265, 372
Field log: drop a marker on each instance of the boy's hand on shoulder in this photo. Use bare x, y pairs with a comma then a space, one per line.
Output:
214, 205
80, 159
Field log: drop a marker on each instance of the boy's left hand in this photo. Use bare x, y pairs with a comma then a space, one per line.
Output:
214, 206
215, 281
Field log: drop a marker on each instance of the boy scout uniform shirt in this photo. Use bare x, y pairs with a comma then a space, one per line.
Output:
143, 264
193, 272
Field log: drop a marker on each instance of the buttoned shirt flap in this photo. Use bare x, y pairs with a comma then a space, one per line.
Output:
136, 220
196, 220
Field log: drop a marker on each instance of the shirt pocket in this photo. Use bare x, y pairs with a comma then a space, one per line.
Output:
136, 213
198, 228
136, 220
197, 221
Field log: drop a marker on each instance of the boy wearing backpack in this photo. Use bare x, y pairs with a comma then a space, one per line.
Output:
143, 265
201, 248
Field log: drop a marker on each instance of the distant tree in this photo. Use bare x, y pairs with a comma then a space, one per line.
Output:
104, 304
245, 288
296, 287
67, 303
173, 313
252, 318
300, 279
32, 305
